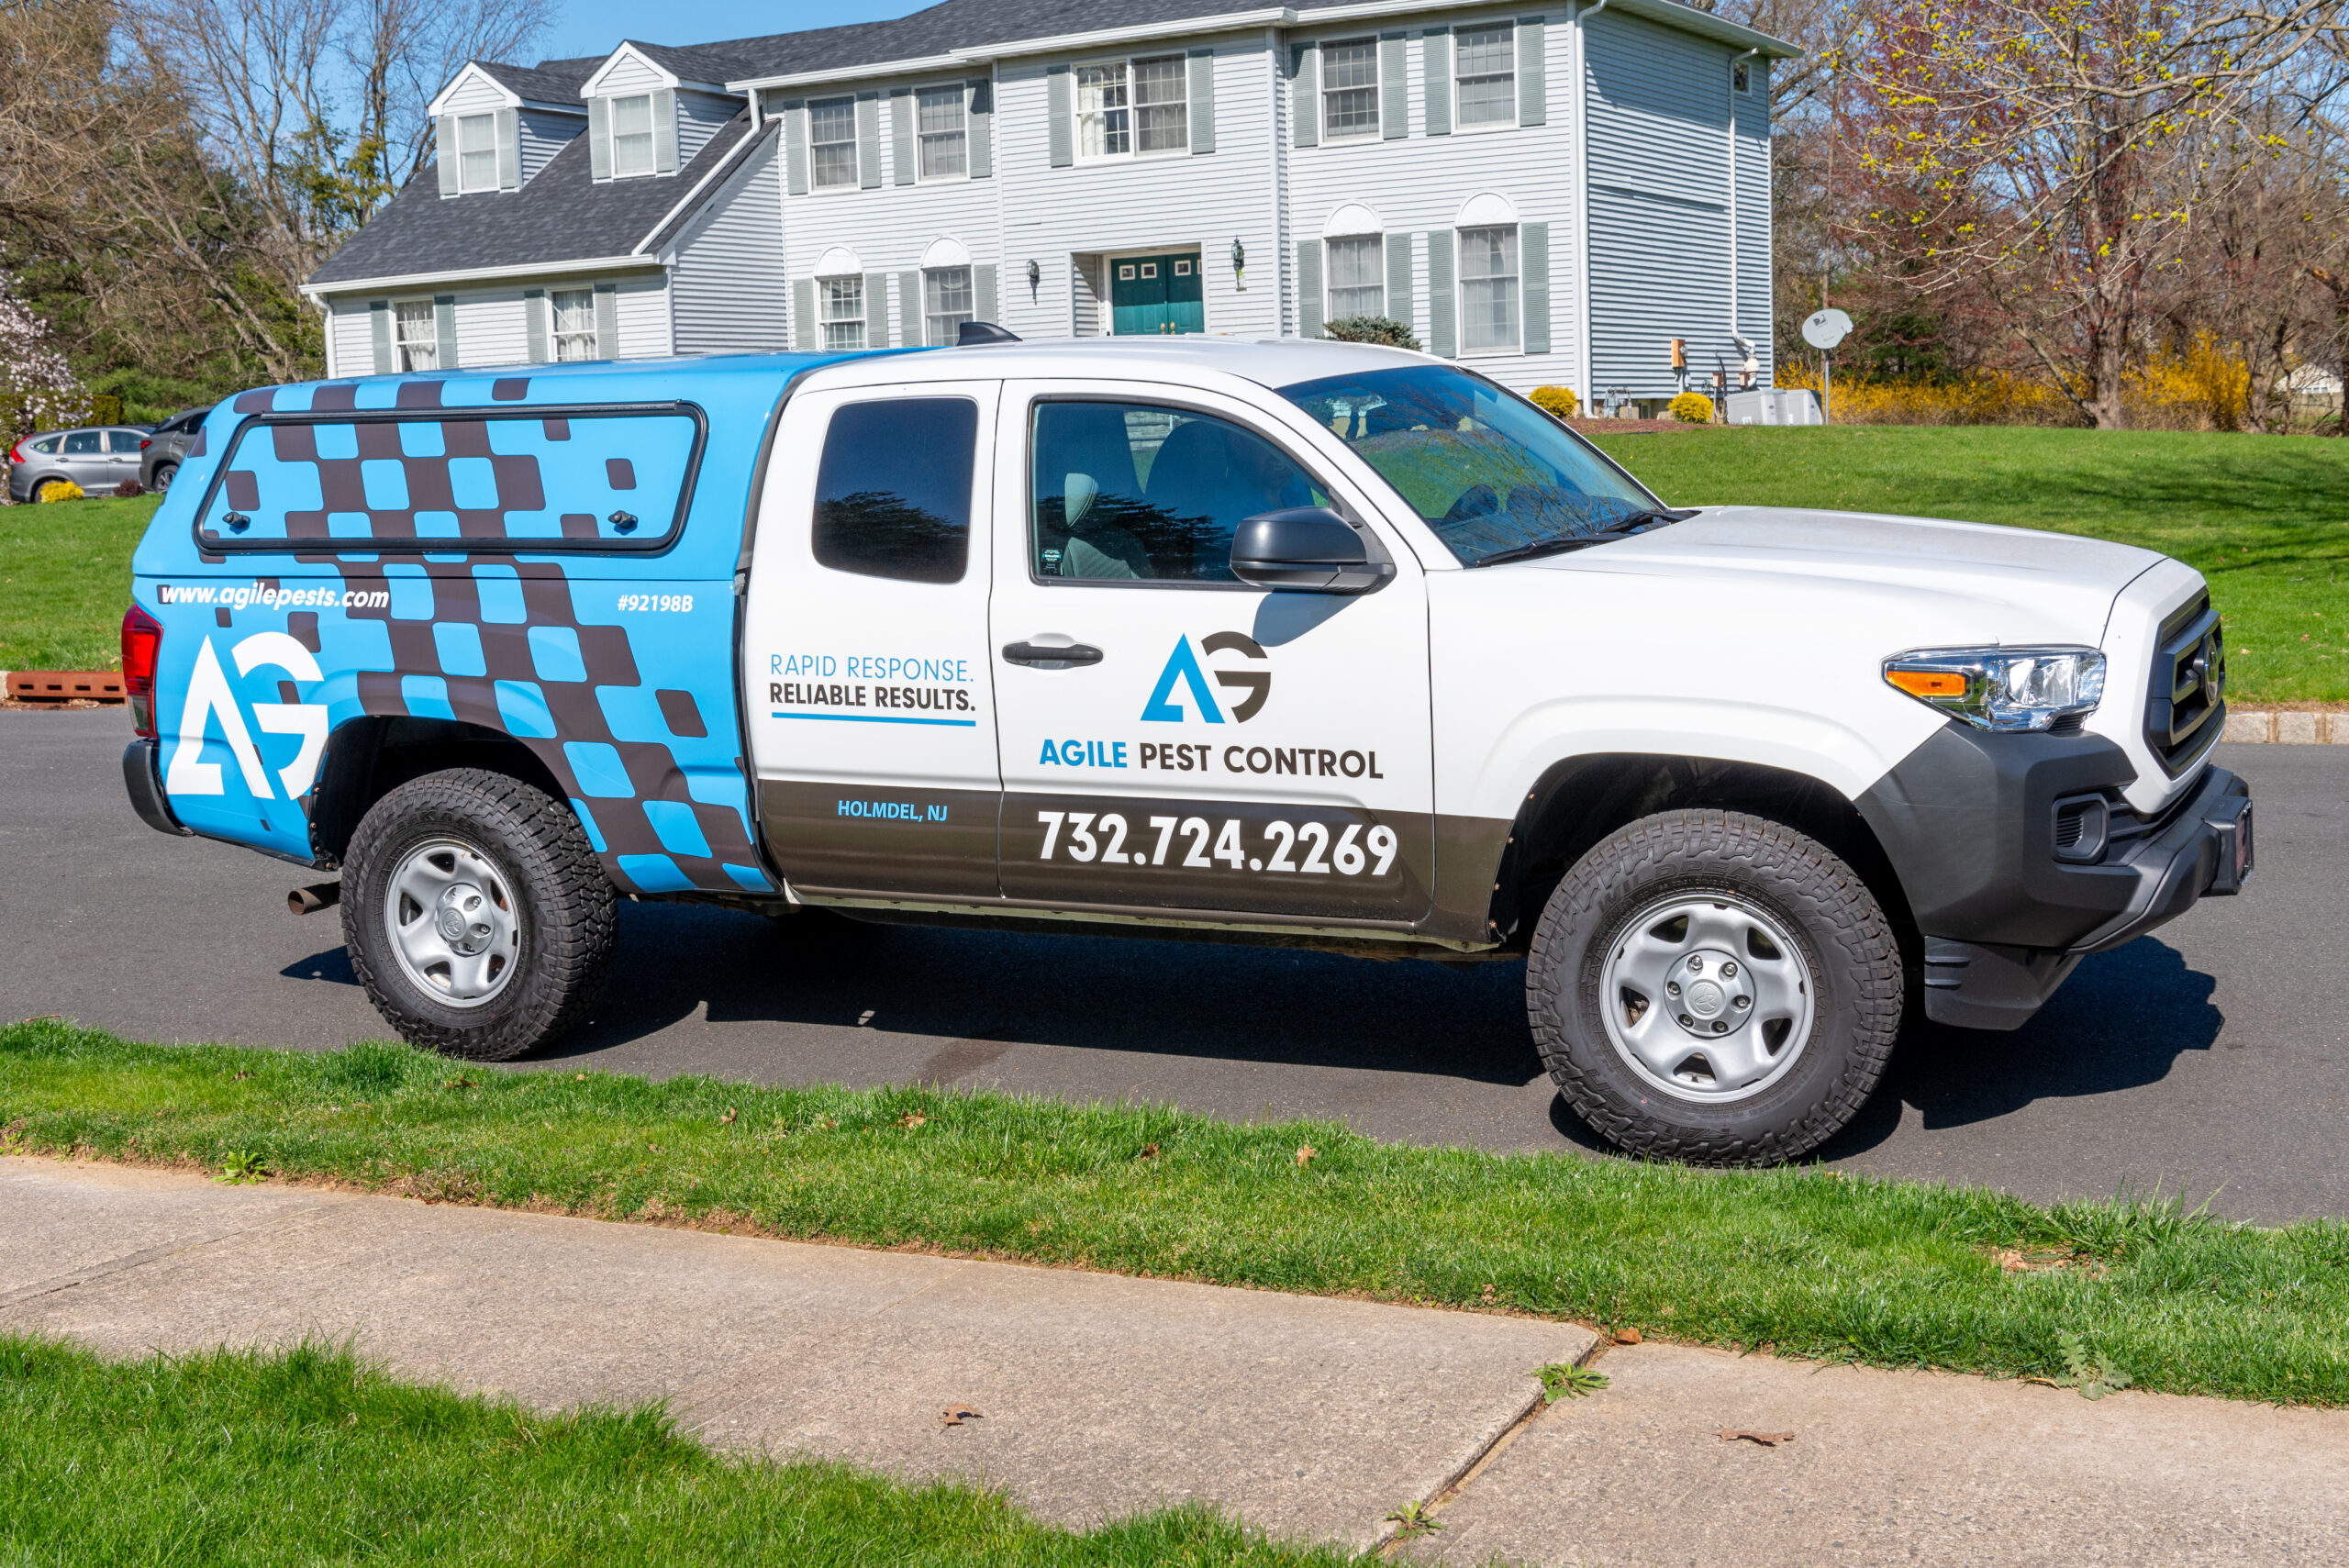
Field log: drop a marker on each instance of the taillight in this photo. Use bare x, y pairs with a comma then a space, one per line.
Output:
142, 645
16, 452
144, 442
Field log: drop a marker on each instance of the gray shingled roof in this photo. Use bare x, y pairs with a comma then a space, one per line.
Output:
562, 215
549, 82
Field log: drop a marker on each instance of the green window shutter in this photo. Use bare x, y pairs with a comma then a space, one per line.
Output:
664, 132
1309, 301
983, 305
1435, 72
1533, 276
444, 153
1202, 85
978, 100
876, 310
444, 328
803, 315
600, 139
794, 146
509, 150
607, 322
1444, 325
1060, 104
1394, 88
1398, 278
912, 323
868, 140
1305, 93
534, 323
901, 132
1532, 88
379, 327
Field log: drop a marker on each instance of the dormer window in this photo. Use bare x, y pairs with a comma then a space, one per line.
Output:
631, 136
477, 152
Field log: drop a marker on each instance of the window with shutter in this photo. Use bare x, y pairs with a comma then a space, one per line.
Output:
476, 152
940, 120
1488, 291
832, 140
416, 336
1357, 276
840, 304
574, 324
1485, 76
632, 135
1349, 89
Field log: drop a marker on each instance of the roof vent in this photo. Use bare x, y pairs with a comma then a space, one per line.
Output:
974, 333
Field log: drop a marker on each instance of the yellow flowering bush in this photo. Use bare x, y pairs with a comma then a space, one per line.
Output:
58, 490
1558, 400
1691, 408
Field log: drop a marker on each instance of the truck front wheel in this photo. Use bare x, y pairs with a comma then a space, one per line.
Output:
1714, 987
476, 915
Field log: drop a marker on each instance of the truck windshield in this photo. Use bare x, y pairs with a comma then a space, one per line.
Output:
1486, 470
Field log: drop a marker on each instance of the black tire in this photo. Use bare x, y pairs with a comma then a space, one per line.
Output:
164, 473
557, 892
1842, 936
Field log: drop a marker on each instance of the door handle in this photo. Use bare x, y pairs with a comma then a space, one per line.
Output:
1050, 657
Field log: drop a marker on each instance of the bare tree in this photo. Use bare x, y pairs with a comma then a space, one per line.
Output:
2053, 153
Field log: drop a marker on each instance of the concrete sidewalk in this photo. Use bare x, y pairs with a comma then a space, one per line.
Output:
1102, 1396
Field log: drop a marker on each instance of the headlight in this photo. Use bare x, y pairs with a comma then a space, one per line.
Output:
2002, 688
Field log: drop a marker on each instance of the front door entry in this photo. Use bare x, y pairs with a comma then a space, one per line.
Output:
1155, 295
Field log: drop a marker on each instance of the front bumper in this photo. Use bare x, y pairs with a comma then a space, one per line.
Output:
1974, 824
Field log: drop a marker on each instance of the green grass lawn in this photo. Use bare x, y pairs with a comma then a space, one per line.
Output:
308, 1458
65, 580
1807, 1260
2266, 519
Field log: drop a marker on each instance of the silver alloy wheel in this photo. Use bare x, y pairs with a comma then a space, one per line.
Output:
450, 915
1707, 997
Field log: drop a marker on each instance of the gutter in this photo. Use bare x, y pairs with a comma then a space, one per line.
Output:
319, 292
1668, 12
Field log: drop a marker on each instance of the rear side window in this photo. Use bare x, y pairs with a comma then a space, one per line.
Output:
893, 493
540, 480
46, 445
127, 440
82, 443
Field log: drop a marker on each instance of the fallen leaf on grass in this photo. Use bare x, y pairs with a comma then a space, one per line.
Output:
1305, 1154
1149, 1152
1767, 1439
956, 1415
728, 1120
912, 1118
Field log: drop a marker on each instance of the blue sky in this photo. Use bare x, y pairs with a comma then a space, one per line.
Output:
594, 26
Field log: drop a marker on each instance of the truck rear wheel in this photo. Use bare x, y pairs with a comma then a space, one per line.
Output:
476, 915
1714, 987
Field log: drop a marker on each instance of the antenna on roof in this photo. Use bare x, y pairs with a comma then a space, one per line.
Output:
974, 333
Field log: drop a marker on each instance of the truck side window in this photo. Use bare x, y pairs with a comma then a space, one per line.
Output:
893, 493
1133, 491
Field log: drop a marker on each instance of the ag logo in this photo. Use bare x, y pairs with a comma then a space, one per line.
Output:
209, 698
1182, 665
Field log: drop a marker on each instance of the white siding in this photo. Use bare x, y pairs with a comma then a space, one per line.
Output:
1754, 276
543, 134
726, 290
643, 307
631, 74
1660, 212
1140, 204
1417, 184
891, 225
477, 94
491, 330
699, 116
351, 336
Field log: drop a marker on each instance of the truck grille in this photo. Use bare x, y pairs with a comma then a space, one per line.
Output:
2187, 705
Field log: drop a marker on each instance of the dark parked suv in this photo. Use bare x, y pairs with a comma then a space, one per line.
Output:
168, 448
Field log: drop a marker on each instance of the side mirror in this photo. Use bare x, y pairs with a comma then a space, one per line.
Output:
1307, 548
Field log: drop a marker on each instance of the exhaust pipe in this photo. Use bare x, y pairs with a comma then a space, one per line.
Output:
310, 900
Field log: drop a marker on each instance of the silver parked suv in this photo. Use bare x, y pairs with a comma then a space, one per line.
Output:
97, 459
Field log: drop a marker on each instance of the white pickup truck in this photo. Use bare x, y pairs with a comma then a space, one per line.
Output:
1283, 641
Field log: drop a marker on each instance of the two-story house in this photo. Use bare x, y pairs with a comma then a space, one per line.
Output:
1574, 193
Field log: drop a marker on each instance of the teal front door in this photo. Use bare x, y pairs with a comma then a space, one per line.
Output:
1155, 294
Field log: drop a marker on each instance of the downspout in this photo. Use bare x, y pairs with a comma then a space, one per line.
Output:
1282, 133
1582, 184
1735, 336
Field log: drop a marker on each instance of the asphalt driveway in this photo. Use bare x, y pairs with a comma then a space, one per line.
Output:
2208, 1058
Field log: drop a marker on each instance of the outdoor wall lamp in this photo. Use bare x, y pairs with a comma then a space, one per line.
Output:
1239, 263
1035, 279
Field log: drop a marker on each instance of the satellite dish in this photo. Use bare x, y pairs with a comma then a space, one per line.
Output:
1825, 328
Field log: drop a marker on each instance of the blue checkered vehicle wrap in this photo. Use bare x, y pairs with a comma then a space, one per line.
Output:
547, 555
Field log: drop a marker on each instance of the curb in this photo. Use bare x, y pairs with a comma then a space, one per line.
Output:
2275, 727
